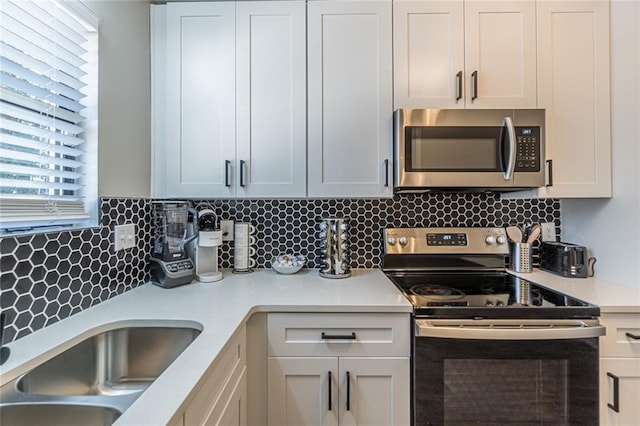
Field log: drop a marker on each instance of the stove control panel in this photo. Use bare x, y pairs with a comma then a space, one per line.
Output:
445, 241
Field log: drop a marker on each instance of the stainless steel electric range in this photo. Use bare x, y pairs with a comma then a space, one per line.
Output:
489, 347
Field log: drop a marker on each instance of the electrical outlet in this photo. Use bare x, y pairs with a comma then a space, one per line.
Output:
548, 231
226, 226
124, 236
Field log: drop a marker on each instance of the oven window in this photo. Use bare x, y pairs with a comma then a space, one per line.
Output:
505, 382
497, 391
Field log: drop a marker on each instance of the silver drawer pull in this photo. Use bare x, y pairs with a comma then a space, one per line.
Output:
351, 336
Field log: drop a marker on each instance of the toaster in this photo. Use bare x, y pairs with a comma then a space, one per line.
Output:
566, 259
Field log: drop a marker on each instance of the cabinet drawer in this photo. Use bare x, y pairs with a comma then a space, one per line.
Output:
226, 370
339, 335
618, 341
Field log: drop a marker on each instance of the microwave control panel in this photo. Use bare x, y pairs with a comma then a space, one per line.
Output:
527, 149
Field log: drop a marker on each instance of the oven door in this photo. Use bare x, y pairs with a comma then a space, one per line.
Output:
501, 372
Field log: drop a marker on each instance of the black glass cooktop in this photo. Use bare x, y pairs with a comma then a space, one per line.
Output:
486, 295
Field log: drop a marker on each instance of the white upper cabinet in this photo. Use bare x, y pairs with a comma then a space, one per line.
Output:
574, 89
271, 98
428, 44
229, 99
465, 54
500, 53
350, 104
199, 99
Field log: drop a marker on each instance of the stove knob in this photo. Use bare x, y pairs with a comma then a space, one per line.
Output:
501, 239
391, 241
490, 239
403, 241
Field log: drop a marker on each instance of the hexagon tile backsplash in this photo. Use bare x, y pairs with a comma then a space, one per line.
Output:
47, 277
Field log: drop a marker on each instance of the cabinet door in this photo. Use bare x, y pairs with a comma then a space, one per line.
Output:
350, 104
500, 53
223, 382
271, 99
200, 99
234, 411
378, 391
428, 54
302, 391
627, 371
574, 88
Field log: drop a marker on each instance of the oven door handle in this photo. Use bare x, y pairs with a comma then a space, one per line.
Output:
509, 329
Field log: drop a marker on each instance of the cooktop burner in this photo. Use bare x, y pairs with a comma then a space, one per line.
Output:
436, 291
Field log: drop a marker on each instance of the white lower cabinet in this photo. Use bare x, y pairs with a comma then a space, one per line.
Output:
338, 391
620, 376
221, 396
352, 387
620, 370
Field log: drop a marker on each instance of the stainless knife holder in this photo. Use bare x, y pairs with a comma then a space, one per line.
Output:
334, 248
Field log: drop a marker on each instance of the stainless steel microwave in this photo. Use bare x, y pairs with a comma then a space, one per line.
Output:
468, 149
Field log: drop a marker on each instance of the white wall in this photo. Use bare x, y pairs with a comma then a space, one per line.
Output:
124, 109
610, 228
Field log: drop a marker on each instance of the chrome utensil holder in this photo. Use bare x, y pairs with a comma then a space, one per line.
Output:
521, 260
334, 248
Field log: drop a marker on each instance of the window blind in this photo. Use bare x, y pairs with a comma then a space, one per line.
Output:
44, 62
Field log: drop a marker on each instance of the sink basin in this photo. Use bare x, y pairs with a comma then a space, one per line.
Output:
116, 362
56, 414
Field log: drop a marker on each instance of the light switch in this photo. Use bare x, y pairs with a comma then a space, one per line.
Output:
124, 236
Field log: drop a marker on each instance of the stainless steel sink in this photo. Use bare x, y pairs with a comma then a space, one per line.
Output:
57, 414
97, 379
119, 361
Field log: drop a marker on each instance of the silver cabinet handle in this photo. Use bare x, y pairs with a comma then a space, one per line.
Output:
474, 85
511, 161
458, 86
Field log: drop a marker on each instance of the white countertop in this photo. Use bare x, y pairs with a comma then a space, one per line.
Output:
610, 297
219, 308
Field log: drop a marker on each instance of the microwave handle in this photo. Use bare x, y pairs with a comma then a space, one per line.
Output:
511, 161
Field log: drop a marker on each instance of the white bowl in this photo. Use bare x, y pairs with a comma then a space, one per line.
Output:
288, 264
286, 269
